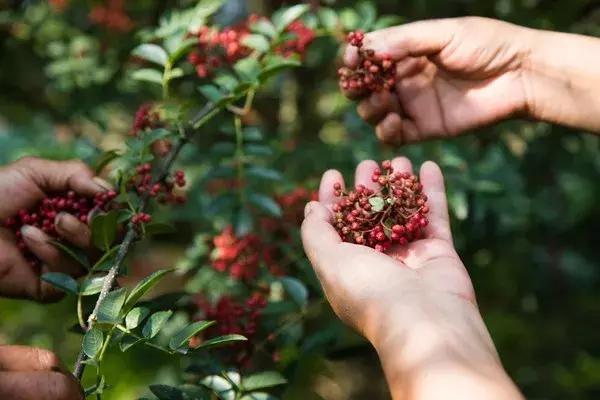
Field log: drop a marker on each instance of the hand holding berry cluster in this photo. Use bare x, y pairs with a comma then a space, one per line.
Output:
43, 215
373, 73
396, 214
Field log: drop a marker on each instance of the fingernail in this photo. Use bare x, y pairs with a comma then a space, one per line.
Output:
32, 233
102, 183
64, 222
307, 209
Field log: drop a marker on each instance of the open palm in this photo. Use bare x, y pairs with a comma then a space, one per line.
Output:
453, 75
360, 282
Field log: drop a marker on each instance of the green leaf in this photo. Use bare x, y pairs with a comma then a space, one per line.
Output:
175, 73
290, 15
212, 93
151, 52
75, 253
184, 46
247, 69
350, 19
258, 150
128, 342
165, 392
135, 317
263, 380
182, 337
264, 173
226, 81
147, 75
275, 64
252, 133
264, 27
258, 396
104, 229
61, 281
92, 342
243, 222
368, 14
105, 158
221, 386
220, 341
377, 203
256, 42
265, 203
155, 134
144, 286
111, 306
328, 18
155, 323
457, 200
296, 289
91, 285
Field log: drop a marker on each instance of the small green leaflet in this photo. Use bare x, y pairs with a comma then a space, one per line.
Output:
110, 307
296, 290
265, 203
165, 392
91, 285
290, 15
263, 380
151, 52
256, 42
104, 229
147, 75
220, 341
135, 317
144, 286
75, 253
92, 342
377, 203
181, 338
61, 281
155, 323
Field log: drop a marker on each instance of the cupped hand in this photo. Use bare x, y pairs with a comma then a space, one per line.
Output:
28, 373
453, 75
23, 184
363, 284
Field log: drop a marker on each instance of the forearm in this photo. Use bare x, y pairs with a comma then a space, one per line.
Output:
562, 79
445, 352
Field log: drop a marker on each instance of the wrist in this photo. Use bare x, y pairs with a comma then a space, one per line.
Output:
434, 341
560, 78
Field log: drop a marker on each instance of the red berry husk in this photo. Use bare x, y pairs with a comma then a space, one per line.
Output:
393, 215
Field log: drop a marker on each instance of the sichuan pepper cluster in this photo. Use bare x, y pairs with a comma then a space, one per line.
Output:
372, 73
395, 214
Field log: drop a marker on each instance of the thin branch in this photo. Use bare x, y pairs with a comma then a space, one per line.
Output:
109, 280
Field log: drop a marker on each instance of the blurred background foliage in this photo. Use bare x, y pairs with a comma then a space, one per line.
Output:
522, 194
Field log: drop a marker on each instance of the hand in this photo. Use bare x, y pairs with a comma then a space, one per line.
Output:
416, 304
28, 373
23, 184
453, 75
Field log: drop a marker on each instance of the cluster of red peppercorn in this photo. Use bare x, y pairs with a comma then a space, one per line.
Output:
143, 183
373, 73
239, 256
233, 317
217, 48
395, 214
112, 16
43, 215
145, 118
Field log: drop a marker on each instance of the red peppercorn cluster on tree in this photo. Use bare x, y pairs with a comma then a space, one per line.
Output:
394, 214
372, 73
43, 215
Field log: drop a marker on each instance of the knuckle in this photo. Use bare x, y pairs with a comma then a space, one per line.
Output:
46, 358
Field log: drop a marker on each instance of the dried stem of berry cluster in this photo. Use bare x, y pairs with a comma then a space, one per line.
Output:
109, 280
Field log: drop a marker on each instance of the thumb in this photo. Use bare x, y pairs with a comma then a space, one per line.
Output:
319, 237
422, 38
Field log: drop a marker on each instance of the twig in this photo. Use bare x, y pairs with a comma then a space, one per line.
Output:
202, 116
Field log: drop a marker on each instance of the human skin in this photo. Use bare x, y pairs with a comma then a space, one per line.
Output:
23, 184
455, 75
415, 304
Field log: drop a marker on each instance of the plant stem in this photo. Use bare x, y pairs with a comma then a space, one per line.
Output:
198, 120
